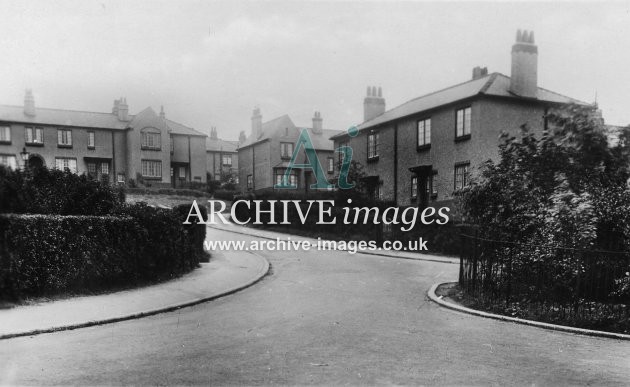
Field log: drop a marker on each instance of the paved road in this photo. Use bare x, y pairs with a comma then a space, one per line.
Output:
327, 319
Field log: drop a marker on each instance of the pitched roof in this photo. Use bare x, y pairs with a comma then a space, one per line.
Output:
62, 117
495, 84
283, 126
178, 128
220, 145
83, 119
147, 118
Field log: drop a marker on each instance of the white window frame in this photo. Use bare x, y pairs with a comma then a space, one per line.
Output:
462, 175
64, 137
91, 139
424, 132
463, 122
5, 134
286, 150
226, 160
373, 145
151, 168
8, 160
63, 163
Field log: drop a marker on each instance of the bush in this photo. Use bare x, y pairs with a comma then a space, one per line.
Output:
47, 254
50, 191
223, 194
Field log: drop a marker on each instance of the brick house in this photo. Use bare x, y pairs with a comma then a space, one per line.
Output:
112, 147
222, 157
421, 152
265, 154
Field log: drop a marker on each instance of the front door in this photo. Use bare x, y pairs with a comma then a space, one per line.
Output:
99, 170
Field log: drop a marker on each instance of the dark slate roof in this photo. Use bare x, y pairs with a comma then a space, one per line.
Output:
495, 84
219, 145
82, 119
280, 126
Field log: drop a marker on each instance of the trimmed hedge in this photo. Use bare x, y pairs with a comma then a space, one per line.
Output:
166, 191
50, 191
48, 254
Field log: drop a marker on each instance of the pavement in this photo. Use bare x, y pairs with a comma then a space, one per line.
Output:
227, 272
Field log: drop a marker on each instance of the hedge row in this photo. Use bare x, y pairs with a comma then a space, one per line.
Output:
166, 191
48, 254
50, 191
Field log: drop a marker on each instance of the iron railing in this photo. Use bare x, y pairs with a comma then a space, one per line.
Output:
550, 283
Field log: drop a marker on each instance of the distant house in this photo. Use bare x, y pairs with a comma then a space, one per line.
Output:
112, 147
222, 157
426, 149
265, 154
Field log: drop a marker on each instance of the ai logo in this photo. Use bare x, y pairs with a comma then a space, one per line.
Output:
314, 165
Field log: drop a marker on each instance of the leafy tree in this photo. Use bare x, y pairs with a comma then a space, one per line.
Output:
567, 188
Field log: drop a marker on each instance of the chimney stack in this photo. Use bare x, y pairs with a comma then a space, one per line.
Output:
373, 104
242, 137
29, 103
213, 133
162, 114
317, 123
524, 77
256, 123
479, 72
121, 109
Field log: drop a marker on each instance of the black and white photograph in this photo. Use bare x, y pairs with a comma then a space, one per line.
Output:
214, 192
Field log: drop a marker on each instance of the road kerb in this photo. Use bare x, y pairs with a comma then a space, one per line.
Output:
555, 327
259, 276
378, 254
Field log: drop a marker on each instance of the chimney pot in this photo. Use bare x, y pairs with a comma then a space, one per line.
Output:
373, 104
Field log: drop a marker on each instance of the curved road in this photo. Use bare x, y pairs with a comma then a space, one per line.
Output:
320, 318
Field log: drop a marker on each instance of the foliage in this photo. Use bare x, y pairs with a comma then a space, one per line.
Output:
50, 191
47, 254
555, 199
566, 188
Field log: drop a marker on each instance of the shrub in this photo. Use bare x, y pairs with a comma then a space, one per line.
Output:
222, 194
47, 254
50, 191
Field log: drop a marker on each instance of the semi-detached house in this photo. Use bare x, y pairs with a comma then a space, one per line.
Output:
421, 152
113, 147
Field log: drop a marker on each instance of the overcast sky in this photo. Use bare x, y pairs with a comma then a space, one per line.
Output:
211, 63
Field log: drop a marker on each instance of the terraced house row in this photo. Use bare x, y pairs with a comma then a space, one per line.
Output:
114, 147
421, 152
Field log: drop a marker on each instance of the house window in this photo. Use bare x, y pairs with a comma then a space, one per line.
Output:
379, 191
227, 160
64, 163
64, 138
120, 178
91, 168
151, 168
5, 134
250, 182
90, 140
463, 123
462, 178
280, 178
414, 187
431, 187
182, 172
105, 168
331, 165
8, 161
286, 150
172, 146
151, 140
33, 136
373, 146
424, 133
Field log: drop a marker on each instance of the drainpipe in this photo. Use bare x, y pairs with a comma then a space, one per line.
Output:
396, 164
